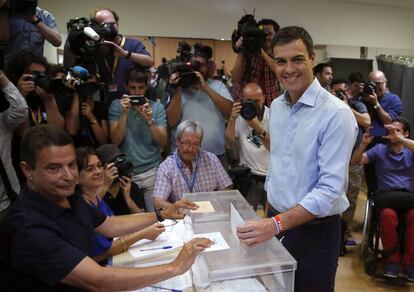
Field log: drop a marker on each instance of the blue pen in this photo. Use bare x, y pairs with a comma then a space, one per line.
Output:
155, 248
163, 288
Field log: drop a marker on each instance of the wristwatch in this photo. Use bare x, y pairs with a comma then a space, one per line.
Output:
377, 106
158, 213
151, 123
263, 135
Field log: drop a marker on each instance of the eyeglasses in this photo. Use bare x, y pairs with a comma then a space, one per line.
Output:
188, 144
379, 83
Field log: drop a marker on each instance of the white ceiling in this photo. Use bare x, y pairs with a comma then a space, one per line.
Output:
389, 3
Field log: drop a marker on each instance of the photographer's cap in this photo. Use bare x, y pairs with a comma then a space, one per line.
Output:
108, 152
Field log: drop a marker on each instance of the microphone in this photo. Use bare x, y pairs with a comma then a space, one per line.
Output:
90, 32
80, 72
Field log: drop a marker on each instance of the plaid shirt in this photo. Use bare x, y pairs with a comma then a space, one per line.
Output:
171, 184
262, 75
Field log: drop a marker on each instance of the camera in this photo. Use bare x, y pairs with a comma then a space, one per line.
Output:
253, 36
369, 88
84, 46
248, 110
137, 99
183, 65
40, 79
340, 94
123, 165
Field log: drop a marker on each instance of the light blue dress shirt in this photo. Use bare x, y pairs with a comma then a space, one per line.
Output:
311, 144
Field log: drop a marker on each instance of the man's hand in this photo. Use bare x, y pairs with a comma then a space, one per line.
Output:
174, 78
125, 185
25, 84
202, 82
186, 204
367, 138
153, 231
255, 124
145, 111
254, 232
173, 211
44, 95
86, 111
235, 112
118, 51
239, 43
125, 103
188, 253
111, 173
372, 98
393, 134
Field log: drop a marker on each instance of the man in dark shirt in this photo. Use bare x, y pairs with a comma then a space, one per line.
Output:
46, 236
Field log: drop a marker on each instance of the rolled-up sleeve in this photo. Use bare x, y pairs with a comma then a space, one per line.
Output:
335, 148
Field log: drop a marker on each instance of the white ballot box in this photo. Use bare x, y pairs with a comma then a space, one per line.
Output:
233, 266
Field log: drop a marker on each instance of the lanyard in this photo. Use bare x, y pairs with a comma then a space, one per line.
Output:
34, 116
180, 167
117, 58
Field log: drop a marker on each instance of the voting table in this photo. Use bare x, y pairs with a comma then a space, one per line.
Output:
228, 265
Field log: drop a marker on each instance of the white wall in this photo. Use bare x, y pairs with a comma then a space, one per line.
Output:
342, 26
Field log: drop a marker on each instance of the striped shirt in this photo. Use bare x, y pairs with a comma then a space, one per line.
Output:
209, 176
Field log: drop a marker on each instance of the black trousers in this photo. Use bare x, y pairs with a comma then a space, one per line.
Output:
315, 246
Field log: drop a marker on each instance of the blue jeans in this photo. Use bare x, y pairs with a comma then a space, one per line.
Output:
315, 246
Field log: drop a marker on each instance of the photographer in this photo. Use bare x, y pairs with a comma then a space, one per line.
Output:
340, 88
123, 195
139, 126
246, 135
30, 33
10, 119
262, 71
87, 120
207, 102
323, 71
128, 53
383, 105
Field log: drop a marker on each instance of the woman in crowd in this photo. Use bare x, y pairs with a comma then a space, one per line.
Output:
91, 184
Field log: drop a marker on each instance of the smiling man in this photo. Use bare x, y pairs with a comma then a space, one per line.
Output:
189, 169
46, 237
311, 138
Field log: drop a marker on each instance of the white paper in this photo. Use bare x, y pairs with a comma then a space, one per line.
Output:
251, 285
204, 207
235, 219
180, 283
137, 250
218, 239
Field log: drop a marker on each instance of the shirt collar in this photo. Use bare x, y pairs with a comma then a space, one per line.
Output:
310, 95
38, 202
193, 163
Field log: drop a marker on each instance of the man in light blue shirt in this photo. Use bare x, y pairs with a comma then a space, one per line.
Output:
208, 102
312, 134
139, 126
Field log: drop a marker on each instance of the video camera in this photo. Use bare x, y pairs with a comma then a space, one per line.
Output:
253, 36
183, 65
85, 46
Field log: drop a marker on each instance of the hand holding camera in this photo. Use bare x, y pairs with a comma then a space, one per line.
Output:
125, 104
25, 84
175, 79
111, 173
87, 112
201, 80
125, 185
235, 112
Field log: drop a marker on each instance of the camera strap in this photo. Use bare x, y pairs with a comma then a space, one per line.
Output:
36, 118
194, 177
116, 60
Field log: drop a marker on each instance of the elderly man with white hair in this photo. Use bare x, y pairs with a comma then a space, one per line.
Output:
189, 169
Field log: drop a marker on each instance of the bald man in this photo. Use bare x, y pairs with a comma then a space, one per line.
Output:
247, 137
385, 106
128, 52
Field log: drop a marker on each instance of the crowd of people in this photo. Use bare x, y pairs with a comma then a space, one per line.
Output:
78, 159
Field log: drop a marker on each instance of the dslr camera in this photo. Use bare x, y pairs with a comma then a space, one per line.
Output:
123, 165
137, 99
253, 36
340, 94
369, 88
249, 109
